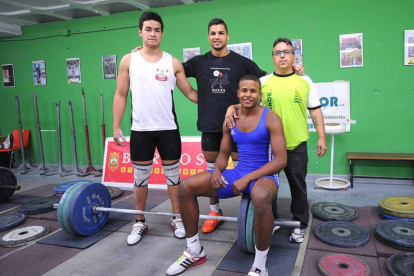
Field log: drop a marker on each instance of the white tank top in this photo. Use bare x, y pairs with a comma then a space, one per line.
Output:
152, 85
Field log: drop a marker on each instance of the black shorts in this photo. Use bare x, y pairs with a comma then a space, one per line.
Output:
211, 141
143, 144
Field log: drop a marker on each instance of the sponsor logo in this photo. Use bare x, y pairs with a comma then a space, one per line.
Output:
113, 161
232, 132
298, 97
218, 81
161, 74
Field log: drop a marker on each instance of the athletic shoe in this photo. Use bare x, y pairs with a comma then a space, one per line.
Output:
138, 229
178, 227
257, 272
297, 235
211, 224
275, 229
8, 143
186, 261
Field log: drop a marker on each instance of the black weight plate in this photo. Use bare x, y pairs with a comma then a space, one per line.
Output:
241, 223
334, 211
115, 192
22, 236
385, 216
343, 265
7, 178
9, 221
391, 244
401, 264
39, 206
397, 232
342, 234
274, 208
61, 188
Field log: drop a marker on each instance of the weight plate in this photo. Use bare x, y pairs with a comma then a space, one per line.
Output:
80, 213
385, 216
403, 248
334, 211
342, 234
61, 188
250, 241
9, 221
343, 265
241, 223
274, 208
39, 206
115, 192
63, 208
22, 236
397, 232
398, 206
7, 178
401, 264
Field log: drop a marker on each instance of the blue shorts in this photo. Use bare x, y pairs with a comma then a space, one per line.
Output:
233, 175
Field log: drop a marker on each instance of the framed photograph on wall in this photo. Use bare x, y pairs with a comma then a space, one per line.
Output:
244, 49
109, 67
73, 70
297, 48
351, 50
189, 53
8, 75
409, 47
39, 72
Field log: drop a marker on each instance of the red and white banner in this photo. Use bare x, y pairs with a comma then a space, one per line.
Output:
119, 172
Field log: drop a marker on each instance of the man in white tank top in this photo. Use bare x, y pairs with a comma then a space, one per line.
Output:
151, 74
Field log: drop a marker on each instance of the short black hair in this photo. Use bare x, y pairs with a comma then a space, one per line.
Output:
216, 21
150, 16
251, 78
285, 40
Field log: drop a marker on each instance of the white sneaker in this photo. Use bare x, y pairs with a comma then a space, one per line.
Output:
186, 261
138, 229
178, 227
275, 229
298, 235
257, 272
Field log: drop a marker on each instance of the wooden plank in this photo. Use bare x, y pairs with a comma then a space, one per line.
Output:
380, 156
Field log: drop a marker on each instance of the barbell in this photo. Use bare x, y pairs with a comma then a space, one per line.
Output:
8, 184
84, 210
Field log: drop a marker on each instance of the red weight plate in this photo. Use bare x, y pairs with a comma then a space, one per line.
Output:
343, 265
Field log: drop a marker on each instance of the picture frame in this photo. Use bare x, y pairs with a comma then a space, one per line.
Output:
73, 70
243, 49
8, 75
409, 47
189, 53
39, 72
109, 68
351, 50
298, 49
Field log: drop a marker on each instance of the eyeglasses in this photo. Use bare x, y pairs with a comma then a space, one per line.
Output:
285, 52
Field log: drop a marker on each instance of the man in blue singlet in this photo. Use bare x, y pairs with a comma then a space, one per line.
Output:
255, 131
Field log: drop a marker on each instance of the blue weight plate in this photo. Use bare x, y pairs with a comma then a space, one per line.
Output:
341, 234
63, 208
61, 188
250, 241
385, 216
81, 217
241, 223
9, 221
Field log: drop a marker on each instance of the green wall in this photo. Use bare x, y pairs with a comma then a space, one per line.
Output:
382, 91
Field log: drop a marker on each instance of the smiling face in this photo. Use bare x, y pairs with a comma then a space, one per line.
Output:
249, 93
218, 37
151, 34
283, 61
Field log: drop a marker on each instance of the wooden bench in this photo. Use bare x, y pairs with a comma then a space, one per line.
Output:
377, 156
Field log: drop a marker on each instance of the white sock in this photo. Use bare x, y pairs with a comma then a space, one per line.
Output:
215, 208
193, 244
260, 259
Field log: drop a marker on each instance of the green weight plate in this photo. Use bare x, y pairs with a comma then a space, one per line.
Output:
398, 206
250, 241
241, 223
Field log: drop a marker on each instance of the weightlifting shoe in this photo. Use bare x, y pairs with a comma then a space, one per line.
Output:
187, 260
138, 229
8, 143
178, 227
257, 272
297, 235
211, 224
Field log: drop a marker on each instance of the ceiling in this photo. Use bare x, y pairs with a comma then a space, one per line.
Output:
17, 13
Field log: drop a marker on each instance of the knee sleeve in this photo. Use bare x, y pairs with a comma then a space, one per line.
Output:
141, 174
172, 173
210, 165
235, 163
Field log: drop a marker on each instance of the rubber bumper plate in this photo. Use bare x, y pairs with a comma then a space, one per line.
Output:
39, 206
114, 192
398, 206
343, 265
334, 211
9, 221
341, 234
385, 216
396, 232
7, 178
250, 239
61, 188
401, 264
22, 236
241, 223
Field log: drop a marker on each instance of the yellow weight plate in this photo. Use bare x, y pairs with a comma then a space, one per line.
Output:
398, 206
